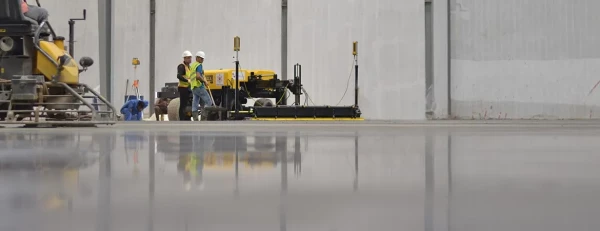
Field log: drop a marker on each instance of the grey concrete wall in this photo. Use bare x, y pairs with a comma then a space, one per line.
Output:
179, 27
210, 26
390, 34
440, 59
525, 59
391, 54
513, 60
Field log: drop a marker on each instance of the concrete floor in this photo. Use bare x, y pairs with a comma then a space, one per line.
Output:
447, 175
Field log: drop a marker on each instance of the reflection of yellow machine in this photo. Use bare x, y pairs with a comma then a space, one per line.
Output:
195, 152
33, 151
65, 183
219, 152
227, 161
53, 163
249, 160
50, 189
39, 79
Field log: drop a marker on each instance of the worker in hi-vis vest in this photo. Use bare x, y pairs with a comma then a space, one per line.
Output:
199, 84
183, 75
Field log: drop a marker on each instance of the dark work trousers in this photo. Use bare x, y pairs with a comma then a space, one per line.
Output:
184, 98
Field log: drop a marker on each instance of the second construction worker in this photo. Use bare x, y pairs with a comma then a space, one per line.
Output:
132, 110
183, 75
199, 84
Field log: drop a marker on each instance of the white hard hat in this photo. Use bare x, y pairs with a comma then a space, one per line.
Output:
200, 54
187, 54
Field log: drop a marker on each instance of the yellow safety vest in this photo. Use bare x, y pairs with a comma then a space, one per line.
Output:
195, 82
188, 74
192, 164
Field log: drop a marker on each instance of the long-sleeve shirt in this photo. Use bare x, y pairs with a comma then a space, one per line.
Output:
130, 110
131, 106
181, 73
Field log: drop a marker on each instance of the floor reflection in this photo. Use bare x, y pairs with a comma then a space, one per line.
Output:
117, 163
322, 180
197, 152
40, 175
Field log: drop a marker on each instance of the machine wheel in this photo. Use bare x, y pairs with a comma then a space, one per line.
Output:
264, 103
173, 110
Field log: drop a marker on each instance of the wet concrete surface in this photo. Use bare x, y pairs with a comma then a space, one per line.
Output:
257, 176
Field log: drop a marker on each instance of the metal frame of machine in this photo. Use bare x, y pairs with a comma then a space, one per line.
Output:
263, 84
39, 82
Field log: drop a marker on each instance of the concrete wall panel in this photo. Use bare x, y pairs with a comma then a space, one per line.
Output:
440, 60
524, 59
132, 40
186, 25
390, 33
391, 54
210, 26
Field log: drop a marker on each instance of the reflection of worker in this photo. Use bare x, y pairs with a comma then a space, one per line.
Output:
191, 159
198, 84
184, 74
160, 108
191, 166
186, 143
34, 12
199, 168
183, 167
205, 143
132, 110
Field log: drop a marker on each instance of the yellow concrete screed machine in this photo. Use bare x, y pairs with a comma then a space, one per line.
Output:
230, 91
39, 80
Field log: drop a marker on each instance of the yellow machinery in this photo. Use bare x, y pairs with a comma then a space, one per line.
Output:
231, 92
39, 79
255, 84
260, 85
217, 79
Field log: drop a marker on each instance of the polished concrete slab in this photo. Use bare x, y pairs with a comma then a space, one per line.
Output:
302, 176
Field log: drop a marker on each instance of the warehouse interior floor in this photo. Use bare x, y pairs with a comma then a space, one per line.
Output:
445, 175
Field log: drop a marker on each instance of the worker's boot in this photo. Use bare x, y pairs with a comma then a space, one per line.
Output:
195, 116
204, 114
